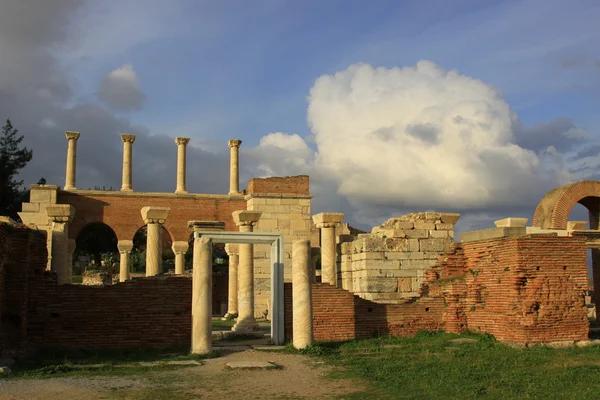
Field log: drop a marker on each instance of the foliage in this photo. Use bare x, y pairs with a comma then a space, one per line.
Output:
97, 239
13, 157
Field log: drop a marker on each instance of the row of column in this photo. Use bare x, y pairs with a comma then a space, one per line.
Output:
128, 140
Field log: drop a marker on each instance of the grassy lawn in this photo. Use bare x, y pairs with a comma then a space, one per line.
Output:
220, 325
429, 366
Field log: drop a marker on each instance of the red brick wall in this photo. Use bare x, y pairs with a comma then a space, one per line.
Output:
144, 313
287, 184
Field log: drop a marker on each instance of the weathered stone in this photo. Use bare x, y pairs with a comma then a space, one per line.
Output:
436, 245
449, 218
250, 365
444, 227
424, 225
405, 284
511, 222
439, 234
417, 264
378, 285
571, 225
417, 233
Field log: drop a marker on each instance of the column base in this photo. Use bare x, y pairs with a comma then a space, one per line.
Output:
245, 326
235, 193
66, 187
230, 315
126, 189
181, 192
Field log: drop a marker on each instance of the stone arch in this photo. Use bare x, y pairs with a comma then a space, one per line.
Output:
86, 238
553, 210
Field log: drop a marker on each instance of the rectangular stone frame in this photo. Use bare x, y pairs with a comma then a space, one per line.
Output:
276, 242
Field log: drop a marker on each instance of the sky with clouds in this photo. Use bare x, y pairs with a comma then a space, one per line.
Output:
390, 106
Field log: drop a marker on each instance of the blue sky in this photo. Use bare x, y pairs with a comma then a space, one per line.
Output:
247, 69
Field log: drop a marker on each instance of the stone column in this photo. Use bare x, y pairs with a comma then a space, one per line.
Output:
246, 322
202, 296
60, 215
234, 166
180, 248
127, 144
301, 295
124, 247
327, 223
232, 293
71, 160
181, 149
154, 217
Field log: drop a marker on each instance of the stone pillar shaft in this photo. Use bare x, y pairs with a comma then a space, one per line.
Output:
181, 163
154, 217
179, 249
327, 223
125, 247
202, 297
234, 166
60, 215
301, 295
71, 160
232, 293
127, 155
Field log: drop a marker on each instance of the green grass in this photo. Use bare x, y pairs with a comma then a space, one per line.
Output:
76, 279
220, 325
429, 366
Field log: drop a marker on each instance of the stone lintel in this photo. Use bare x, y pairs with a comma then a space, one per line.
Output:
125, 246
60, 212
511, 222
127, 137
206, 225
328, 220
72, 135
576, 225
246, 217
155, 215
234, 143
493, 233
180, 246
182, 140
449, 218
231, 248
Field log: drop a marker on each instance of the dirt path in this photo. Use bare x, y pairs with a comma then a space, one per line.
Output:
299, 377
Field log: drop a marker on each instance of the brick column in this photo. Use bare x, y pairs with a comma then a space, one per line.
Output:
234, 166
327, 223
181, 149
202, 296
246, 322
125, 247
127, 145
60, 215
232, 293
154, 217
301, 295
180, 248
71, 160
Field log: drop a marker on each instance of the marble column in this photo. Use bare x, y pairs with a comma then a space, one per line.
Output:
327, 222
71, 160
302, 324
61, 215
232, 293
202, 296
181, 161
127, 145
234, 166
179, 249
246, 322
125, 247
154, 217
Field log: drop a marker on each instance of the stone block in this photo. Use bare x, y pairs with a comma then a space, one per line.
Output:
405, 285
30, 207
424, 225
378, 285
402, 225
511, 222
414, 245
403, 255
571, 225
268, 225
444, 227
417, 233
432, 215
347, 247
449, 218
273, 201
369, 243
370, 255
396, 244
245, 216
299, 224
433, 245
417, 264
492, 233
439, 234
328, 218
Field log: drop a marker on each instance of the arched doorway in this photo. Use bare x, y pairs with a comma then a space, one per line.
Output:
95, 247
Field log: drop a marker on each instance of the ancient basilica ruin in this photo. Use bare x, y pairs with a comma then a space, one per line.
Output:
312, 276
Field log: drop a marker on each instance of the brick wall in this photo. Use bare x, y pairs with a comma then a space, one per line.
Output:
286, 184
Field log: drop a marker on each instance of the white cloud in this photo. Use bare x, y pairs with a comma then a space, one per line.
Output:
120, 89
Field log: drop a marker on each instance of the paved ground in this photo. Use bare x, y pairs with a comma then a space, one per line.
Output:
300, 377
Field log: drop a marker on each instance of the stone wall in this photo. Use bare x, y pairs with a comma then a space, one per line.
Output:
389, 264
286, 184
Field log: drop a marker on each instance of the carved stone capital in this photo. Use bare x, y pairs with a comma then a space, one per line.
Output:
128, 138
182, 141
60, 213
197, 226
180, 247
246, 217
155, 215
328, 220
326, 225
125, 246
234, 143
232, 249
72, 135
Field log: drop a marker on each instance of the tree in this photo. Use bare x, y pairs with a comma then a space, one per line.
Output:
12, 159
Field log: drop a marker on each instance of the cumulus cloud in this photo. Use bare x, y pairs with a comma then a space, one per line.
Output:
561, 133
120, 89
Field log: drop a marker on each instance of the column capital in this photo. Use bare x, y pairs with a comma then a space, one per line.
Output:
60, 212
182, 140
234, 143
328, 220
197, 226
232, 249
155, 215
72, 135
246, 217
125, 246
128, 138
180, 247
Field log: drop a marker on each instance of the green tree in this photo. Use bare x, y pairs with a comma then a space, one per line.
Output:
13, 157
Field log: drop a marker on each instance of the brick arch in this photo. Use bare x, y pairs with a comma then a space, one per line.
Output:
553, 210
